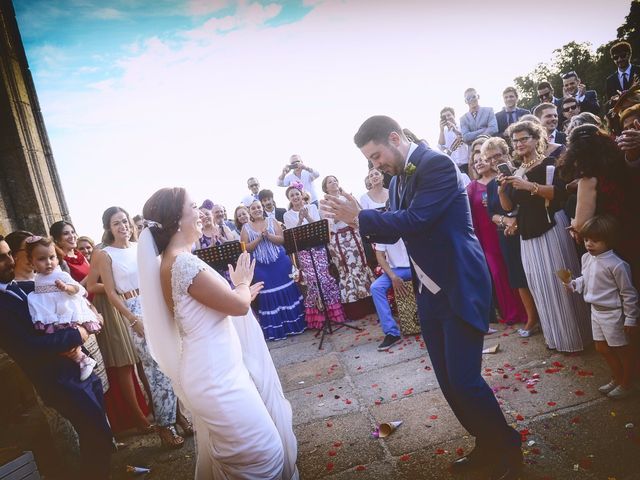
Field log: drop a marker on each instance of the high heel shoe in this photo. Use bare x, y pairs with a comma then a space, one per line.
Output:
169, 438
185, 425
527, 333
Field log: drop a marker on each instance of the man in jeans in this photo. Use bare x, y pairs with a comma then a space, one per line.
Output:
394, 261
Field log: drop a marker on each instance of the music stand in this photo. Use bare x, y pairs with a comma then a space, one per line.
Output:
305, 237
219, 256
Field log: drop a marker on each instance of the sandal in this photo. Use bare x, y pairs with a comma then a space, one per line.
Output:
169, 438
185, 425
146, 430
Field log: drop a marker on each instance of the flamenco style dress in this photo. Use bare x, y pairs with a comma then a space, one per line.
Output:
280, 303
313, 304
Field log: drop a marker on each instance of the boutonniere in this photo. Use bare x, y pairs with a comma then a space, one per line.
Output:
409, 170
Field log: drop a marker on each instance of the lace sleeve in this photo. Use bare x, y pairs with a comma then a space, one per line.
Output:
184, 269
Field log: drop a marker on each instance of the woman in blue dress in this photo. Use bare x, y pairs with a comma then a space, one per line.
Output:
280, 303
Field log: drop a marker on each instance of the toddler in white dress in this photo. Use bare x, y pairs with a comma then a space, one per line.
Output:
58, 301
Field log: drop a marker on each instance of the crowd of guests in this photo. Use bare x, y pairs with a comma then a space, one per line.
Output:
554, 197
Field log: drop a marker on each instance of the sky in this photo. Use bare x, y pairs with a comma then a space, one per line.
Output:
140, 94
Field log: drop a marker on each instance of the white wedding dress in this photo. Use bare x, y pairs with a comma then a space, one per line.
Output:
224, 374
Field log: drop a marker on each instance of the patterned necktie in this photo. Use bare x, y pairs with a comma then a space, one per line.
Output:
511, 119
14, 288
625, 81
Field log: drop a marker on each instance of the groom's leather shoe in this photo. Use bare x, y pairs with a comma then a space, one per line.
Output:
508, 467
476, 458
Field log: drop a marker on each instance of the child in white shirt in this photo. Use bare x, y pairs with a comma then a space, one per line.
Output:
606, 285
57, 301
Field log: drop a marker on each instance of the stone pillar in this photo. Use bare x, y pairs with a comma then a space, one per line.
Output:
31, 195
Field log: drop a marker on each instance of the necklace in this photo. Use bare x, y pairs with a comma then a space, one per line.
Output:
527, 165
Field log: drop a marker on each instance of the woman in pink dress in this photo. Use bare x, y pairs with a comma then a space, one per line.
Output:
509, 303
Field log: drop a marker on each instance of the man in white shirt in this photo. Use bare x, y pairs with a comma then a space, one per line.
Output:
394, 261
296, 171
548, 115
254, 188
450, 140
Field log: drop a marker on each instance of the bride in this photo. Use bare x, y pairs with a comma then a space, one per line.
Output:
205, 338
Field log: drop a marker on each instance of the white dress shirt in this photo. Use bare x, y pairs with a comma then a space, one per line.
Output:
306, 178
606, 281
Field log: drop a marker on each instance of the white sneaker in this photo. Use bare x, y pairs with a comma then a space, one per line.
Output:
86, 367
620, 392
608, 387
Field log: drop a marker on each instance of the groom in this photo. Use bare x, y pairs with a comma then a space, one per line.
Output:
429, 210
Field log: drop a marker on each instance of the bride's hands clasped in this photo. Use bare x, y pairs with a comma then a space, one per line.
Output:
243, 273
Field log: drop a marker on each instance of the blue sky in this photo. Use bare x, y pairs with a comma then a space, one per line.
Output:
205, 93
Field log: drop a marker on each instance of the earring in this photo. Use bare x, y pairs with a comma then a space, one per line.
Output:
179, 225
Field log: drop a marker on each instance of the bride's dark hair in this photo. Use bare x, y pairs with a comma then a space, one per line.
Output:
164, 208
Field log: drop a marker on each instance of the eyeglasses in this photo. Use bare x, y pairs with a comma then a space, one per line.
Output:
617, 56
569, 108
470, 97
520, 140
494, 158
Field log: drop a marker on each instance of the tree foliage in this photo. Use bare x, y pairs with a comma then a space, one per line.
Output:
592, 67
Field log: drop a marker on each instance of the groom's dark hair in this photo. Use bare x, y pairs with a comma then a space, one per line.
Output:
376, 129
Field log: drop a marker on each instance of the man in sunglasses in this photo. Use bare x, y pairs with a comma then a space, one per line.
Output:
478, 120
572, 86
570, 108
626, 72
254, 187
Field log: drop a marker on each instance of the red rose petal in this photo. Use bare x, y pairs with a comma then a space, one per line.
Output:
459, 452
519, 418
329, 424
433, 417
558, 364
337, 444
332, 453
579, 393
408, 391
552, 404
575, 420
360, 468
329, 466
347, 401
405, 458
439, 451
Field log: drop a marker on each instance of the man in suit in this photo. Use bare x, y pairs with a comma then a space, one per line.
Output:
548, 115
55, 377
570, 108
546, 95
573, 87
269, 206
511, 113
429, 210
478, 120
625, 74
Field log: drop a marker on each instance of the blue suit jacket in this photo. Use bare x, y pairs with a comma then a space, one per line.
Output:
484, 124
38, 354
501, 118
433, 217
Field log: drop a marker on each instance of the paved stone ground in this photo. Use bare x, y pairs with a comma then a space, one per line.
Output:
341, 393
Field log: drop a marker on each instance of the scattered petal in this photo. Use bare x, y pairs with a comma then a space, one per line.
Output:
439, 451
433, 417
329, 466
459, 451
552, 404
360, 468
405, 458
579, 393
332, 453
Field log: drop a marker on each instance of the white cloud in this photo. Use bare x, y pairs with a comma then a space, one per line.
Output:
106, 14
205, 7
209, 110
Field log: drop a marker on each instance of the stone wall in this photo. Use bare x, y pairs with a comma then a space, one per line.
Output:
31, 196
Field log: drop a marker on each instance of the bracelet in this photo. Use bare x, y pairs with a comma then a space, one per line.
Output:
134, 322
536, 187
501, 222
